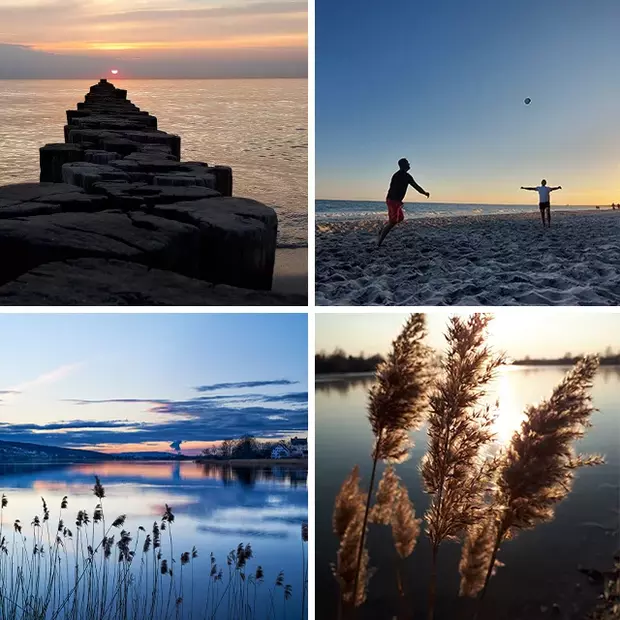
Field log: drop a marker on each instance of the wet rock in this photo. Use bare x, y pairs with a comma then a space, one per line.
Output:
85, 175
224, 179
41, 239
129, 196
27, 209
100, 157
237, 236
116, 190
118, 283
22, 192
54, 156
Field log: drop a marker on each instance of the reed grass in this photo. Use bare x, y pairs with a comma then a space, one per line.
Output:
454, 470
55, 569
479, 495
535, 472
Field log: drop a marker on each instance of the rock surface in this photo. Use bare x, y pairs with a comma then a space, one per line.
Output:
116, 196
103, 282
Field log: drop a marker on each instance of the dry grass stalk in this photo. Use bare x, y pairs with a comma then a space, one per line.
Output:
405, 527
397, 404
397, 401
387, 494
454, 470
349, 503
347, 521
351, 575
537, 469
393, 507
476, 555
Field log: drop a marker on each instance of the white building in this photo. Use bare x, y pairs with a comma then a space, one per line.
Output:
280, 452
300, 447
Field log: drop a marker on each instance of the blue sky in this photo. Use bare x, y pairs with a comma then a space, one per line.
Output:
124, 381
443, 83
537, 332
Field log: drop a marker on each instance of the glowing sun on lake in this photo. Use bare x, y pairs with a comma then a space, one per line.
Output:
114, 71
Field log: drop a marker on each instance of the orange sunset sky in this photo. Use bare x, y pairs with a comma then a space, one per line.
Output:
154, 38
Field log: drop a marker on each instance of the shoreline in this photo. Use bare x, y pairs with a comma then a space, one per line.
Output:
290, 275
303, 463
472, 260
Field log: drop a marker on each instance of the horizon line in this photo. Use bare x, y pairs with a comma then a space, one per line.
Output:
128, 79
453, 202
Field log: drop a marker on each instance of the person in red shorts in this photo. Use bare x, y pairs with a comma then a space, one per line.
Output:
401, 180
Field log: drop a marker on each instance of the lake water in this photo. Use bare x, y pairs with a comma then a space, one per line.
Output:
540, 565
215, 508
259, 127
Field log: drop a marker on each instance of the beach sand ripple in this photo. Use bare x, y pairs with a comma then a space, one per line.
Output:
497, 260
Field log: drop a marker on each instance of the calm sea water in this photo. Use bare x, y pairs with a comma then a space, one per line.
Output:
259, 127
215, 509
329, 210
540, 565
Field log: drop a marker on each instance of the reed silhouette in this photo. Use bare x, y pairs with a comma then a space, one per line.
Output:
98, 572
454, 470
396, 406
479, 494
534, 473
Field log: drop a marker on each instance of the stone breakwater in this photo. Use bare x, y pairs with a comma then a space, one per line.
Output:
117, 218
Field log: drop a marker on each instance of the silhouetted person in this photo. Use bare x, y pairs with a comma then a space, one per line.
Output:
544, 199
401, 180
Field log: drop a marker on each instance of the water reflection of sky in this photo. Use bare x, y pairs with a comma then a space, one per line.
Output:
215, 507
542, 562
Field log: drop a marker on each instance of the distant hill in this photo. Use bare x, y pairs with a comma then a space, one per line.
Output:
17, 452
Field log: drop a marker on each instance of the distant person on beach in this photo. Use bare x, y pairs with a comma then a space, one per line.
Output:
399, 184
544, 199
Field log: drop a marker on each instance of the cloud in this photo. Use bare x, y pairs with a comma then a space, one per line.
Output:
158, 39
242, 384
290, 399
23, 62
204, 418
58, 374
240, 10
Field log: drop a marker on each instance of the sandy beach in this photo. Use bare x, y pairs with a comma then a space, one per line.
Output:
496, 260
290, 274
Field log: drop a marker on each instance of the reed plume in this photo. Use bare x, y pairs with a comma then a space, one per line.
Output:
396, 406
454, 470
405, 527
393, 507
536, 470
351, 570
347, 520
476, 555
387, 493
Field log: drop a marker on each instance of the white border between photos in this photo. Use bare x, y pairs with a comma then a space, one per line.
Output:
311, 307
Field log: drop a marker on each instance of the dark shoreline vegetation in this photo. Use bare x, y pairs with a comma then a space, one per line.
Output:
244, 449
93, 570
339, 362
481, 495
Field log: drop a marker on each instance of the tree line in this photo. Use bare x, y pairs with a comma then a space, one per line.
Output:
245, 447
339, 362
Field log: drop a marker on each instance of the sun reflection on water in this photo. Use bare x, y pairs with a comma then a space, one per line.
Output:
509, 414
